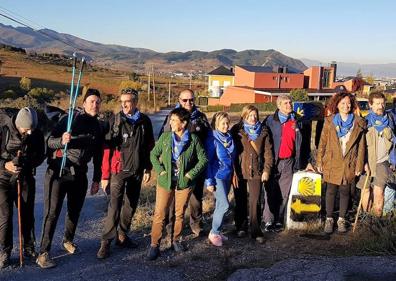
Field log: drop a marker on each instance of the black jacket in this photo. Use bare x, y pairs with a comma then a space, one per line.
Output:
133, 143
32, 147
86, 144
199, 126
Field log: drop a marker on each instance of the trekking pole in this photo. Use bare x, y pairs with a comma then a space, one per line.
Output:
73, 98
72, 85
360, 202
19, 218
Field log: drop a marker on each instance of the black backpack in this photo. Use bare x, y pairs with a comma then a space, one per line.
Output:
6, 114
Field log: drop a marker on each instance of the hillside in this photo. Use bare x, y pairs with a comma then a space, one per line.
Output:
348, 68
140, 59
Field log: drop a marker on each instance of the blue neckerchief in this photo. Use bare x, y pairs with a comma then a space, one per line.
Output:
283, 118
194, 114
253, 131
225, 139
134, 117
343, 127
377, 121
179, 146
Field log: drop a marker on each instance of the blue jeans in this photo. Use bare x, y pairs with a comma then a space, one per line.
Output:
222, 204
389, 201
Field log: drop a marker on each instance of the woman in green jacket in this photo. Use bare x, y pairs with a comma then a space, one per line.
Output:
178, 158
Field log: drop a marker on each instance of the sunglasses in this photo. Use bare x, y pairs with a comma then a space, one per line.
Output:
187, 100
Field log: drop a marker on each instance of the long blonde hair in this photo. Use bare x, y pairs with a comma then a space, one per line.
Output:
217, 117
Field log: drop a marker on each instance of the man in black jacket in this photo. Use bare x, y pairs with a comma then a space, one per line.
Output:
22, 150
126, 162
85, 142
198, 125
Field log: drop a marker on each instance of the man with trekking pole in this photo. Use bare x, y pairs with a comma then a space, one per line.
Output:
84, 141
22, 150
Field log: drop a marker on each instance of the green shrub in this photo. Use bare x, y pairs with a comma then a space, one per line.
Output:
9, 94
41, 94
25, 84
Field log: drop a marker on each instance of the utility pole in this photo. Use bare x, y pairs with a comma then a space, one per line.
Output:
169, 91
154, 89
190, 79
148, 86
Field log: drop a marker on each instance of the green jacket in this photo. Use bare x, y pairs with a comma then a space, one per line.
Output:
193, 161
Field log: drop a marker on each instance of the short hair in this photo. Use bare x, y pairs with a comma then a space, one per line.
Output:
247, 109
187, 90
181, 113
130, 91
91, 92
281, 98
217, 117
336, 99
376, 95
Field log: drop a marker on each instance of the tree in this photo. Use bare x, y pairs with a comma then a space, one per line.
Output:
370, 79
299, 95
134, 76
130, 84
25, 84
359, 74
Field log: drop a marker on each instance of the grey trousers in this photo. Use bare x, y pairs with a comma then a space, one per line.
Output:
277, 191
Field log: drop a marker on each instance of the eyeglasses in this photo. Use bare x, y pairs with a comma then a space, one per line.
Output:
129, 91
187, 100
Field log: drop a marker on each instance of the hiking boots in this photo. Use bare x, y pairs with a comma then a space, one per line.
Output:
124, 241
196, 229
153, 253
215, 239
341, 225
44, 261
29, 252
278, 227
269, 227
260, 239
4, 259
70, 247
241, 233
178, 247
329, 225
104, 251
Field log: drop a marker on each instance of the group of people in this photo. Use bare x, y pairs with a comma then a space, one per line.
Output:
255, 158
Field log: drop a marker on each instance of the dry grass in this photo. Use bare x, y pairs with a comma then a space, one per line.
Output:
376, 235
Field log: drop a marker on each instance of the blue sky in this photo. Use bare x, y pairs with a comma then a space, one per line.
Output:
348, 31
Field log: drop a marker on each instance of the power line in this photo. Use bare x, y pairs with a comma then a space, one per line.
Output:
15, 15
11, 17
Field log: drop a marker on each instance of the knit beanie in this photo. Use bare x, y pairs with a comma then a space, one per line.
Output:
26, 118
91, 92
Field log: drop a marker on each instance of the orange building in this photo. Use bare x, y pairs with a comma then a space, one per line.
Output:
259, 84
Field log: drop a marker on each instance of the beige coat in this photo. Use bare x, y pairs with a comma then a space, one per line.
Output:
372, 147
339, 169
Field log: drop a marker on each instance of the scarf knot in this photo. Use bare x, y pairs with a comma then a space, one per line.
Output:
253, 131
343, 127
225, 139
283, 118
133, 118
178, 146
379, 122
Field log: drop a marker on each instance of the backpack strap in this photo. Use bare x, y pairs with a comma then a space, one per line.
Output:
116, 125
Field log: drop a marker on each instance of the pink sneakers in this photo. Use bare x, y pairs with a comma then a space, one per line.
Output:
215, 239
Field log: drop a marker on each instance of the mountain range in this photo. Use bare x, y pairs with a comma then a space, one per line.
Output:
351, 69
141, 59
